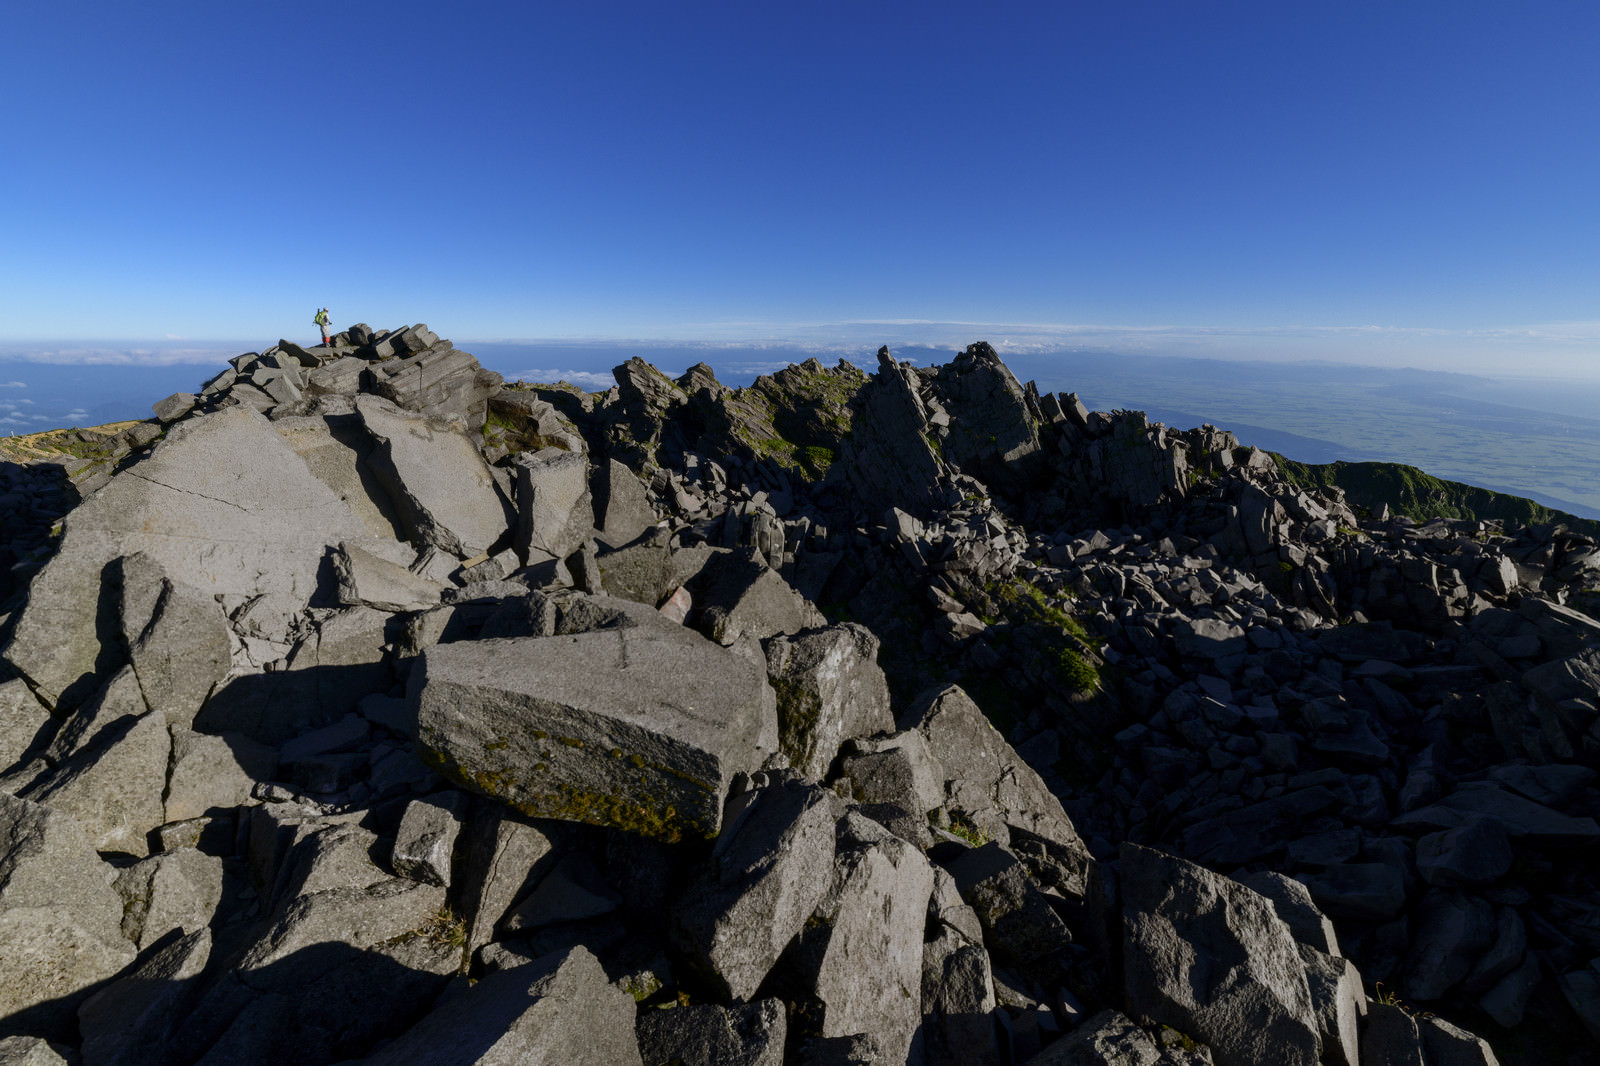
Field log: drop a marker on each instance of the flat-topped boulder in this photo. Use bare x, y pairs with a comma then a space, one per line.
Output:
640, 727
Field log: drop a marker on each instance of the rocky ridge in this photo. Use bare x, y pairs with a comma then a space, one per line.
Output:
364, 708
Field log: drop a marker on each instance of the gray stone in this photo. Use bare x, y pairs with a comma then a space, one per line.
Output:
268, 525
957, 1000
897, 769
439, 484
128, 1022
1251, 1001
173, 890
22, 722
31, 1051
709, 1035
426, 839
622, 510
1520, 818
639, 728
554, 513
1553, 786
867, 950
501, 856
1450, 1045
1207, 638
1018, 922
641, 572
1390, 1038
984, 779
177, 639
1510, 944
360, 917
60, 919
559, 1009
173, 407
370, 581
1471, 856
347, 734
743, 598
112, 785
1340, 1004
736, 919
1107, 1039
1452, 931
1293, 903
438, 381
336, 449
830, 688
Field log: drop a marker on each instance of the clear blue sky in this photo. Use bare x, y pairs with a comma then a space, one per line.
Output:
1385, 182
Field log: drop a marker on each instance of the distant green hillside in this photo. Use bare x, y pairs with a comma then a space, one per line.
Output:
1411, 492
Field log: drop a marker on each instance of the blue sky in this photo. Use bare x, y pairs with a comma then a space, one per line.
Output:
1406, 183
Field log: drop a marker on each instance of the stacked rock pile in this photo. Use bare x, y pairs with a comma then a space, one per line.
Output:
368, 709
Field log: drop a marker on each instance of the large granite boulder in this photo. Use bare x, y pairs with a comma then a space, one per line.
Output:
440, 486
60, 919
223, 504
554, 513
766, 878
984, 778
1211, 958
436, 380
830, 688
640, 727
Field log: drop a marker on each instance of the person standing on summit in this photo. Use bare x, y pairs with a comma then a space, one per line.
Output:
323, 320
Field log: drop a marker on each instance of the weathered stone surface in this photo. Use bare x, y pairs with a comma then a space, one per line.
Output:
1339, 1003
573, 891
503, 856
360, 917
1250, 1001
1450, 1045
1293, 903
112, 785
622, 510
128, 1022
177, 639
31, 1051
555, 515
641, 728
60, 919
177, 889
897, 769
867, 950
441, 488
829, 688
560, 1009
958, 997
1363, 891
765, 881
23, 721
335, 448
426, 839
222, 502
743, 598
1018, 922
709, 1035
641, 572
370, 581
984, 778
173, 407
438, 381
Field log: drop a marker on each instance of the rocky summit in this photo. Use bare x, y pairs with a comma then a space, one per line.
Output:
361, 707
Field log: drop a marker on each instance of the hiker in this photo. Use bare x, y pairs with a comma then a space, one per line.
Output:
323, 320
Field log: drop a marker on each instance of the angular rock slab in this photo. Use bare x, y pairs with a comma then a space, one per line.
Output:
830, 688
640, 728
554, 512
558, 1009
1107, 1039
60, 919
1211, 958
440, 485
984, 777
222, 503
708, 1035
